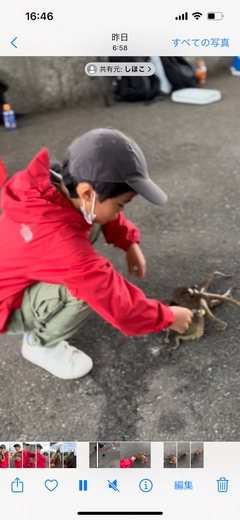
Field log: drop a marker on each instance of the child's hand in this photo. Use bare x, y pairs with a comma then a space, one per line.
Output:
136, 262
183, 318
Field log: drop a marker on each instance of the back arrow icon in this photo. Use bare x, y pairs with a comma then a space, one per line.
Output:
14, 43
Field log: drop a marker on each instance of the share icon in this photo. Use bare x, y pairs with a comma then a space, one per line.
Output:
113, 485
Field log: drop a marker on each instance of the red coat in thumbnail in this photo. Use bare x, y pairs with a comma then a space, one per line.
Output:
127, 463
27, 455
41, 460
4, 459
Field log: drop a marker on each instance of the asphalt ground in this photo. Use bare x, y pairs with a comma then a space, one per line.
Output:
170, 448
109, 457
183, 461
197, 460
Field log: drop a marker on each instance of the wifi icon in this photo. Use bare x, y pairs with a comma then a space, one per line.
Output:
197, 15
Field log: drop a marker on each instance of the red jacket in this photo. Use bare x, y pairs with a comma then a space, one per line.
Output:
27, 455
126, 463
41, 461
5, 463
43, 238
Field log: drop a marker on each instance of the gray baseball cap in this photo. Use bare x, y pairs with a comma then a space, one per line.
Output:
107, 155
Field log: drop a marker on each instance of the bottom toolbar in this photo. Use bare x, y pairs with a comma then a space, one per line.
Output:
135, 478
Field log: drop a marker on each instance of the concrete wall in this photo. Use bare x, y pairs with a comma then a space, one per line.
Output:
214, 64
51, 82
41, 83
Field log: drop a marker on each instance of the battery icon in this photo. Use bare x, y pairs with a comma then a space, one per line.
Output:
215, 16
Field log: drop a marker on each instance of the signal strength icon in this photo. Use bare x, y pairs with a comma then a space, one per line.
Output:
197, 15
183, 16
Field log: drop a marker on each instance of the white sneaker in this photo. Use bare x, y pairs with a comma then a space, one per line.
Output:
62, 361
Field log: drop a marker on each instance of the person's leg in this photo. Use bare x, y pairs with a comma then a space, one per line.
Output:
48, 316
34, 307
50, 313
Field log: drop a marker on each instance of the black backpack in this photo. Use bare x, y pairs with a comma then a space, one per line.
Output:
179, 72
135, 88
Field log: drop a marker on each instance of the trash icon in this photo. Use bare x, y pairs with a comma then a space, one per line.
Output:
222, 485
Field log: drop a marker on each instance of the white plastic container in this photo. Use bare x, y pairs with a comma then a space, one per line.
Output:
196, 96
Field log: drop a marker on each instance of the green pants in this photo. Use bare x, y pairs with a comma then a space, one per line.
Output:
49, 312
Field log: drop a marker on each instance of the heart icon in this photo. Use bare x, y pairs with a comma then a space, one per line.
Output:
51, 484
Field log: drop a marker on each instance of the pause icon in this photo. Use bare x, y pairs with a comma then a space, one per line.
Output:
83, 485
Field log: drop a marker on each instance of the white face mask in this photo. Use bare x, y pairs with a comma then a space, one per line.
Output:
89, 217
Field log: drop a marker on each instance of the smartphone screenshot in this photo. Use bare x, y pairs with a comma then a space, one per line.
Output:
119, 260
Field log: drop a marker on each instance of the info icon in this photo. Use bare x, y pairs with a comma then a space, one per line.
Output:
145, 485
